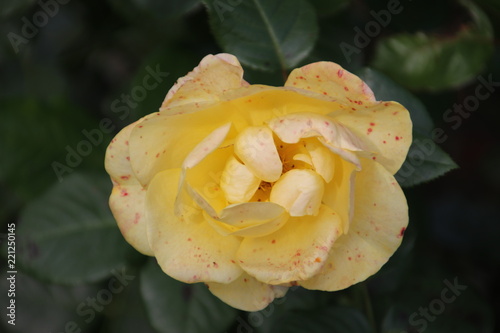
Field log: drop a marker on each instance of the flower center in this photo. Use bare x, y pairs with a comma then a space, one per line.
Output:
266, 169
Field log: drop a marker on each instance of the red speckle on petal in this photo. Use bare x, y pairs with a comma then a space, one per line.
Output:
384, 142
318, 259
317, 76
234, 262
128, 158
397, 138
374, 158
189, 239
349, 258
346, 89
140, 126
395, 113
124, 193
370, 130
157, 155
273, 241
216, 265
402, 232
372, 124
137, 218
125, 177
245, 280
325, 93
386, 104
340, 73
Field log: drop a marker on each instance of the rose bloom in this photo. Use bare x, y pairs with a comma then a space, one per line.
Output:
252, 189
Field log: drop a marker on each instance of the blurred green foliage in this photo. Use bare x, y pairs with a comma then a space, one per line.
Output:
70, 72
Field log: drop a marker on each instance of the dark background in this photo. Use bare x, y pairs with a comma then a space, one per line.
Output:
66, 78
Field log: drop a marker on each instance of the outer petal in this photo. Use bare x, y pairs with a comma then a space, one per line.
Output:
330, 80
127, 198
380, 219
186, 247
255, 147
295, 252
385, 129
204, 85
247, 293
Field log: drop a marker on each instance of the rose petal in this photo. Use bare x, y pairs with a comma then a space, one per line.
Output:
238, 182
256, 149
251, 219
339, 193
322, 159
293, 127
206, 146
330, 81
127, 205
159, 142
297, 251
300, 191
186, 247
380, 219
117, 160
247, 293
127, 198
203, 85
385, 129
203, 181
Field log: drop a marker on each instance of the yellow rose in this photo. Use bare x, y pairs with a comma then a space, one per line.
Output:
252, 189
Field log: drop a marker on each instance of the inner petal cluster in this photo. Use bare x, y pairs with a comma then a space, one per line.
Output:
264, 168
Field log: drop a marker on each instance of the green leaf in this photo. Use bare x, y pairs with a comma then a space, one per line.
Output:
127, 313
422, 61
176, 307
11, 7
68, 235
40, 138
266, 35
333, 319
159, 12
42, 307
425, 161
435, 300
328, 7
386, 89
